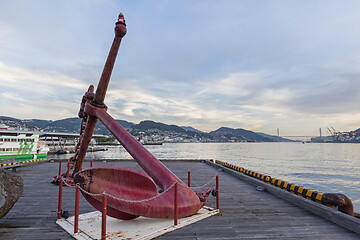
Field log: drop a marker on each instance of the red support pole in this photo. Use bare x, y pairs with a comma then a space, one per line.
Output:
91, 164
217, 192
103, 224
59, 167
60, 198
176, 205
76, 221
189, 178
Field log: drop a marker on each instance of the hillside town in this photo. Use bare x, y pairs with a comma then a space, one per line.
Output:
149, 132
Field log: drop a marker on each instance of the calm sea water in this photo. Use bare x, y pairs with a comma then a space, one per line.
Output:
325, 167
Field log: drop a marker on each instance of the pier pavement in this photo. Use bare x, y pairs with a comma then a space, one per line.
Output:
245, 212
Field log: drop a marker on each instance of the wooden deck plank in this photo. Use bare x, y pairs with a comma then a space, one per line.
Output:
245, 212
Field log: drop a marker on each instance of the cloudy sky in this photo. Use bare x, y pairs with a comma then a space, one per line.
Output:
257, 65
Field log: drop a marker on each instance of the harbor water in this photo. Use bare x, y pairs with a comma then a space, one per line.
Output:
324, 167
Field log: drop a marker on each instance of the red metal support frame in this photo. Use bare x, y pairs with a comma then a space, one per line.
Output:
176, 205
189, 178
60, 198
103, 217
76, 220
91, 163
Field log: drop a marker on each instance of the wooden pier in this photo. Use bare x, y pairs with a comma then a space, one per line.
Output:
245, 212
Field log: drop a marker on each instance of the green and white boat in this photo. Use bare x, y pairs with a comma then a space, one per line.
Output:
22, 146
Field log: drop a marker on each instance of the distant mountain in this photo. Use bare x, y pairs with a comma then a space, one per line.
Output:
13, 123
36, 123
275, 138
148, 125
73, 125
67, 125
188, 128
9, 118
188, 133
238, 134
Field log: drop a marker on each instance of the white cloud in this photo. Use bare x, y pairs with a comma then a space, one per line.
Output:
36, 80
28, 93
12, 97
276, 95
5, 29
237, 84
252, 66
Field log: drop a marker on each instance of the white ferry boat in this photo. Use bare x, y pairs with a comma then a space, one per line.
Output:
22, 146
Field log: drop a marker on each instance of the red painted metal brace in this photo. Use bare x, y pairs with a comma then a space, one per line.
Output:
60, 199
176, 211
103, 217
189, 179
76, 220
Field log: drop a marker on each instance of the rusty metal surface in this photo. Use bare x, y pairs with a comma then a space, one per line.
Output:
337, 199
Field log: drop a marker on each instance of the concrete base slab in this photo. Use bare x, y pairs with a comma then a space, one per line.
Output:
138, 228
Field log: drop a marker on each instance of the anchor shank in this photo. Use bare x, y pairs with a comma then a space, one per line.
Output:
106, 74
120, 31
